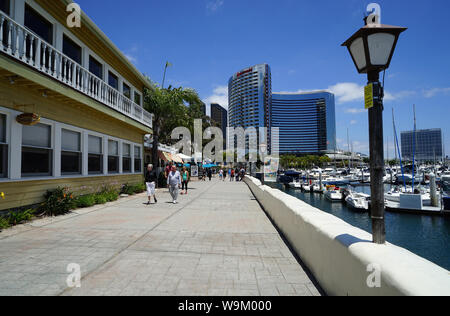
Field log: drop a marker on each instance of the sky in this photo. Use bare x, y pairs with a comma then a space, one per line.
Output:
207, 41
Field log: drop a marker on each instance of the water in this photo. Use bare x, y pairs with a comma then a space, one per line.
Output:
424, 235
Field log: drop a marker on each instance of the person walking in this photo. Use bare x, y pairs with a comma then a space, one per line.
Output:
209, 174
185, 180
232, 175
150, 182
174, 183
236, 173
221, 175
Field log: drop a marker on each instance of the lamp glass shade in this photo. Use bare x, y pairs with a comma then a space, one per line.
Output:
380, 48
358, 52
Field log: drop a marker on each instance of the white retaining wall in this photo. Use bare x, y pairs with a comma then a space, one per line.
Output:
339, 254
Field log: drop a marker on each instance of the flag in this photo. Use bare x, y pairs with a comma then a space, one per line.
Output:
168, 65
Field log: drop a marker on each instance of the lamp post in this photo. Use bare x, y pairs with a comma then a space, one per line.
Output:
263, 151
371, 49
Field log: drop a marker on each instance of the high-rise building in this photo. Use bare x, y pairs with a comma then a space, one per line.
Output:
220, 116
203, 108
249, 93
306, 122
428, 145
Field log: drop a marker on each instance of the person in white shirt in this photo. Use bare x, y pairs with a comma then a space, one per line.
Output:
174, 183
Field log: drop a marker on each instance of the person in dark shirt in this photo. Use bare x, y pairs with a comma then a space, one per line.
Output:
150, 181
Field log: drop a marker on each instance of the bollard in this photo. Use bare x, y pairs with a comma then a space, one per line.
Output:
320, 180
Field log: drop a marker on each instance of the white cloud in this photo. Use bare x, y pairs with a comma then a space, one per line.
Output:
347, 92
214, 5
132, 58
354, 110
220, 96
433, 92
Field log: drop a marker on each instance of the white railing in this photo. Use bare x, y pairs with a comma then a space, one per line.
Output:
22, 44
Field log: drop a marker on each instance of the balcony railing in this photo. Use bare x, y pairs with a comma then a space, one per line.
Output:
25, 46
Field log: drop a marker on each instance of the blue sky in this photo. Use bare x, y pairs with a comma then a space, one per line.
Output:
209, 40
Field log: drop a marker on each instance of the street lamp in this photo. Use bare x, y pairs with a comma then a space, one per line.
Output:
263, 151
372, 48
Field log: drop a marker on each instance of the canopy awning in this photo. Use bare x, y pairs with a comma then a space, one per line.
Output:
164, 156
177, 159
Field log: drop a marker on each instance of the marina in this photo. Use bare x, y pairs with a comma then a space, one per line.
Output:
427, 235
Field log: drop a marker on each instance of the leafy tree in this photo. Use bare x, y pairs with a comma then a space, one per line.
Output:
171, 107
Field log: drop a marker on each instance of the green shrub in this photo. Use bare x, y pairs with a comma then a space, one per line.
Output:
18, 217
112, 196
58, 202
100, 198
85, 201
139, 188
4, 223
127, 189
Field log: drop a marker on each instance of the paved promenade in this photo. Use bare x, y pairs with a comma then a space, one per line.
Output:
216, 241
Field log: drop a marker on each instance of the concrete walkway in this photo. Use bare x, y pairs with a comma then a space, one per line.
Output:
216, 241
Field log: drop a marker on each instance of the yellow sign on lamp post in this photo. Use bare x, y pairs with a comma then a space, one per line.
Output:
368, 96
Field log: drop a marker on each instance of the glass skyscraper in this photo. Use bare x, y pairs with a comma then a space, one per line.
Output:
220, 116
249, 93
306, 122
428, 145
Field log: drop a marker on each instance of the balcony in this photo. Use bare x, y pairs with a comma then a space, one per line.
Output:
23, 45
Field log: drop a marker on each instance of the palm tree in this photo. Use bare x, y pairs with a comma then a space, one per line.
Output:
171, 107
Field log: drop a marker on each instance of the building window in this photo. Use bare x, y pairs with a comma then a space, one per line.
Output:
95, 156
71, 49
95, 67
137, 159
36, 151
137, 98
127, 91
113, 80
38, 24
4, 6
70, 152
126, 158
3, 148
113, 156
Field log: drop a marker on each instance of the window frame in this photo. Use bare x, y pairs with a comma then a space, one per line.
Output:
137, 159
124, 84
4, 148
140, 98
111, 73
50, 151
129, 158
116, 157
78, 153
99, 156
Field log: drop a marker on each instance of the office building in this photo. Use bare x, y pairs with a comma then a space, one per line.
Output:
249, 93
220, 116
428, 145
306, 122
71, 111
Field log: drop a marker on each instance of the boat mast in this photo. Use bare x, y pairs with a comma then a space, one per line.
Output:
348, 142
398, 148
414, 149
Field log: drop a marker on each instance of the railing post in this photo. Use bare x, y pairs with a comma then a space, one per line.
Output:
9, 36
2, 19
37, 53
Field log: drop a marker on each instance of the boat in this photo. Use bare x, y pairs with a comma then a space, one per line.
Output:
395, 194
333, 194
358, 201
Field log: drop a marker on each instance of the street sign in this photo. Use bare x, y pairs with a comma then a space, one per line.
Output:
368, 96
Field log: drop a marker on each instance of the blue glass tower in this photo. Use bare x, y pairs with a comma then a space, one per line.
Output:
306, 122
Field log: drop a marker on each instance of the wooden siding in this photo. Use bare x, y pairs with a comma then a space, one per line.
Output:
26, 96
26, 193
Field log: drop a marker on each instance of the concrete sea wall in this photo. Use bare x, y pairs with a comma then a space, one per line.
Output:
342, 257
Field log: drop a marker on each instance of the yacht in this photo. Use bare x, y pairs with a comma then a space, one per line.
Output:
358, 201
333, 194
